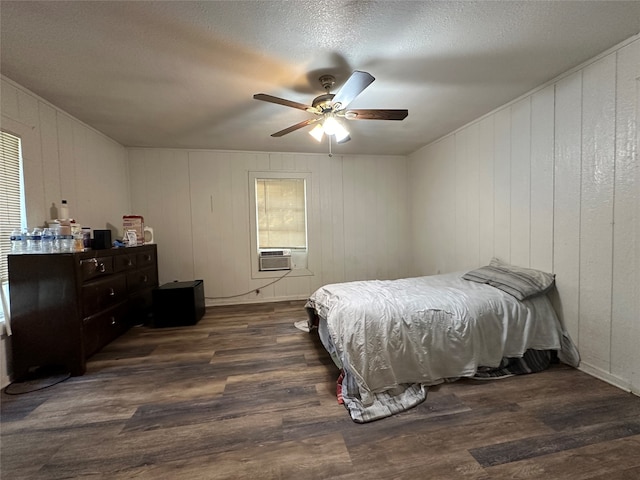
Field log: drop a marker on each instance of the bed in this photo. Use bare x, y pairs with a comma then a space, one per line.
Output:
393, 339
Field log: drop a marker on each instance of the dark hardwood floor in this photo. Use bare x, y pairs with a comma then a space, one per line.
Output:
244, 394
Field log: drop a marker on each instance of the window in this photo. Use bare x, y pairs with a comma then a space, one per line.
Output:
12, 206
281, 212
279, 218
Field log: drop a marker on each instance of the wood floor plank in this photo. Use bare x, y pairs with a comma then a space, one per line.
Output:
535, 446
317, 458
589, 411
610, 460
458, 466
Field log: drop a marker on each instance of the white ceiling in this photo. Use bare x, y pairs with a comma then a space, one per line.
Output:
183, 73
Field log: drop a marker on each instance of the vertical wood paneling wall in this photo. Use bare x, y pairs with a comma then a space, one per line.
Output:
551, 182
63, 159
197, 202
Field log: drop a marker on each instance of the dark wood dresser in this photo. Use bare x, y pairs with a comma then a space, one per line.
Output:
67, 306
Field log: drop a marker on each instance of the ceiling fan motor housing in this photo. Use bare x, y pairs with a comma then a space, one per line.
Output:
327, 82
323, 102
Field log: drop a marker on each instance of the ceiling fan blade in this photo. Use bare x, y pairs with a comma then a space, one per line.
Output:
353, 87
369, 114
295, 127
280, 101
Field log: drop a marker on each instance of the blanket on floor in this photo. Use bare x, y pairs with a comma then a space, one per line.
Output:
408, 396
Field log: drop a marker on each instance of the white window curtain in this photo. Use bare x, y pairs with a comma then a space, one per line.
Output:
11, 208
281, 212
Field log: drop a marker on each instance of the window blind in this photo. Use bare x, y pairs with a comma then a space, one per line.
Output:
281, 212
10, 195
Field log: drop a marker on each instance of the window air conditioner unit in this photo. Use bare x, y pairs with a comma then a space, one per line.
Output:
275, 260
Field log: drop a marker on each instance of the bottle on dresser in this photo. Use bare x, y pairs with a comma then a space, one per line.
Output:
18, 241
65, 241
64, 211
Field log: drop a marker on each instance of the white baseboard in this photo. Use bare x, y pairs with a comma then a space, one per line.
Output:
608, 377
257, 299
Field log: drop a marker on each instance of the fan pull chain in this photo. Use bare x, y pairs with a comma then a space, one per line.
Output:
330, 154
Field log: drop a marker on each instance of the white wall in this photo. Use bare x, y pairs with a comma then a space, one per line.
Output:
63, 158
549, 181
197, 202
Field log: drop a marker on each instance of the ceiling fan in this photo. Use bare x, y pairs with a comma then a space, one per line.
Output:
329, 109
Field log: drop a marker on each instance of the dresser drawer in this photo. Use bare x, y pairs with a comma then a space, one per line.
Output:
95, 267
100, 329
146, 259
103, 293
141, 279
126, 262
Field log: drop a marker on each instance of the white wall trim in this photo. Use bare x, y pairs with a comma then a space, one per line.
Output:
57, 109
607, 377
258, 152
257, 299
568, 73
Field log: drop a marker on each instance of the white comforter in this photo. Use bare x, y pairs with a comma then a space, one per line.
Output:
426, 329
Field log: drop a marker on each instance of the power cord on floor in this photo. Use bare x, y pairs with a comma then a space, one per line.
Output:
40, 379
256, 290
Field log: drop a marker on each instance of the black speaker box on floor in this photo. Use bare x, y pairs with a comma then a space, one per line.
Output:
178, 304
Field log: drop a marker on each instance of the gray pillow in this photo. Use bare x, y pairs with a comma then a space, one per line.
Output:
520, 282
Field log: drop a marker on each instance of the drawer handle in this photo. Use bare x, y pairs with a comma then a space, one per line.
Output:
145, 279
147, 258
129, 263
113, 320
100, 267
112, 292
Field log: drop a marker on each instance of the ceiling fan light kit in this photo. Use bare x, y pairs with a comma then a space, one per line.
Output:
330, 108
317, 132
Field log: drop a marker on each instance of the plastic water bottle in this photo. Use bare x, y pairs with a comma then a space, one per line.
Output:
65, 243
34, 241
47, 240
16, 241
25, 234
56, 243
28, 244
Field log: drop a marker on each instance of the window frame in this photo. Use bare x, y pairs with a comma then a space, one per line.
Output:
299, 257
4, 281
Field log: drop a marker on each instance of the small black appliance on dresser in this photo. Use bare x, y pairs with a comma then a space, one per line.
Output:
178, 304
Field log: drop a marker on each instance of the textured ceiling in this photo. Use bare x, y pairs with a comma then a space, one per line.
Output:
182, 74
